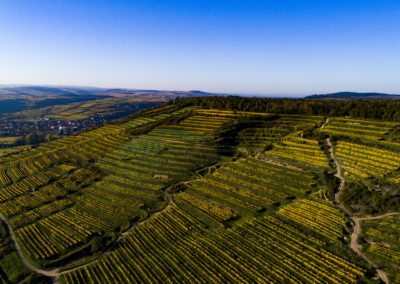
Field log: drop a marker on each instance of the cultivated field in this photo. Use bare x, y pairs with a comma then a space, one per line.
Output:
202, 195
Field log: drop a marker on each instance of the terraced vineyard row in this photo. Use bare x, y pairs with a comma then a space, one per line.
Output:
246, 186
365, 130
317, 215
87, 146
305, 151
360, 161
170, 197
175, 247
12, 269
52, 231
381, 243
259, 136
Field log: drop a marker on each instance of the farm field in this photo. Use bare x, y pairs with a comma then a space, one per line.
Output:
81, 110
205, 195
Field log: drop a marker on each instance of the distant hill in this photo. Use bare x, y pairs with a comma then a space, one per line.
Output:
345, 96
19, 92
19, 98
152, 93
38, 91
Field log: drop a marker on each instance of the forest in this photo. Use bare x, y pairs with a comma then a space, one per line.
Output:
379, 110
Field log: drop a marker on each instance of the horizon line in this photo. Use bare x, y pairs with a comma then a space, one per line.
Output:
240, 94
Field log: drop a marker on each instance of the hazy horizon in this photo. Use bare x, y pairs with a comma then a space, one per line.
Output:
281, 48
271, 95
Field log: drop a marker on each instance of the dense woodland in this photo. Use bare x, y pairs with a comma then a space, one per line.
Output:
364, 200
379, 110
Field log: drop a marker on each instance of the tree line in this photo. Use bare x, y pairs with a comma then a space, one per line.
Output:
379, 110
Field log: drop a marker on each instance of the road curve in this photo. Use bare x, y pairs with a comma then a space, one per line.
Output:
53, 274
357, 228
357, 232
125, 233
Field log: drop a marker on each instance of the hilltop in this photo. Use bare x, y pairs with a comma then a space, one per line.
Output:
345, 96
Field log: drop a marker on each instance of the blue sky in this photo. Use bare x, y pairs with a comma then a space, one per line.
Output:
259, 47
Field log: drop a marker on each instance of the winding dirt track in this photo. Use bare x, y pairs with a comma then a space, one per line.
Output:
49, 273
124, 234
56, 272
357, 227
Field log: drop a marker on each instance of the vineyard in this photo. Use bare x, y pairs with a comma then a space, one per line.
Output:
184, 252
365, 130
86, 109
381, 242
305, 151
195, 195
363, 162
317, 215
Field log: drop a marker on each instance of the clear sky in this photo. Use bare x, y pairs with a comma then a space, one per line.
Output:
277, 47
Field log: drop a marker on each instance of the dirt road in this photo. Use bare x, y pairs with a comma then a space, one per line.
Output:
357, 228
